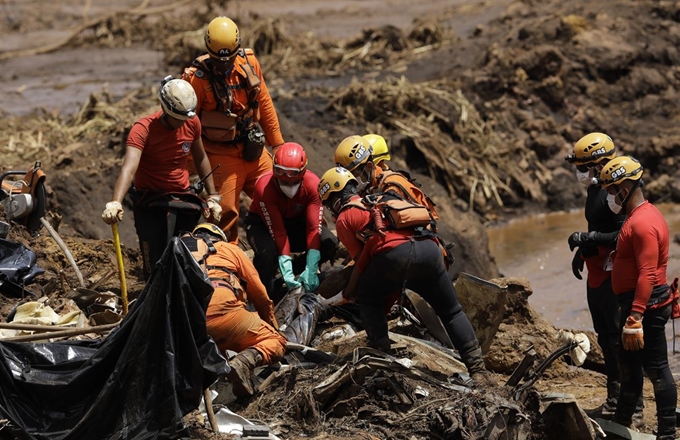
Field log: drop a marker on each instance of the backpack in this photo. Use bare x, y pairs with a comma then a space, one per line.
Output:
403, 185
391, 212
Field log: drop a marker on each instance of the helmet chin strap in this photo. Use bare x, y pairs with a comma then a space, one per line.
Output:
630, 194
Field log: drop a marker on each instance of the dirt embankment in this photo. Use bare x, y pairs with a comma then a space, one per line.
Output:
482, 120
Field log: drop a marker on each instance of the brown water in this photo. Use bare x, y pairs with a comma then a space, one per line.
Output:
536, 248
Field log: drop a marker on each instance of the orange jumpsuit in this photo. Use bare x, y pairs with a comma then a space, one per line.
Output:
229, 323
235, 174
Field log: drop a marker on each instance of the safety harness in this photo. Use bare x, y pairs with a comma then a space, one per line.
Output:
390, 181
242, 120
201, 247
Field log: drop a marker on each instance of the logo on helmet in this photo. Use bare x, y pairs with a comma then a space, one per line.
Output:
618, 172
358, 152
324, 189
599, 151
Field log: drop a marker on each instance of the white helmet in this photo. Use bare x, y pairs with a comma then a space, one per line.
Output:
178, 98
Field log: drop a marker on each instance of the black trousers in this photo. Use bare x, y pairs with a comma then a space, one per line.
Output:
419, 263
151, 225
606, 315
266, 254
653, 359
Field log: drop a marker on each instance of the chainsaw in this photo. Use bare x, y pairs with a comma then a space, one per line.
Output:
25, 200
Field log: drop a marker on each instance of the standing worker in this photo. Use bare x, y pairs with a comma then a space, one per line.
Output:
156, 154
591, 153
286, 216
392, 260
640, 283
254, 335
380, 150
237, 115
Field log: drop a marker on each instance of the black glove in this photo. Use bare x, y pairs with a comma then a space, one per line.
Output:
580, 238
577, 265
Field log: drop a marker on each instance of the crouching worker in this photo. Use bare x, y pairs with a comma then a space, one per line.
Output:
286, 216
253, 335
390, 259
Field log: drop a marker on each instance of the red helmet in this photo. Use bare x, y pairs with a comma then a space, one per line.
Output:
290, 162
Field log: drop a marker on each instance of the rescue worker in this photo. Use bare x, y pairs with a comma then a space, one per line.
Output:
380, 151
640, 283
254, 335
286, 216
396, 260
237, 115
355, 154
156, 155
591, 153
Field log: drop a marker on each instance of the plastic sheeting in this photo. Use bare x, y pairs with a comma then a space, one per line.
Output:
17, 267
136, 384
298, 313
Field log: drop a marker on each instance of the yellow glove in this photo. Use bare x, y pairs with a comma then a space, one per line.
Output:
213, 203
113, 213
633, 337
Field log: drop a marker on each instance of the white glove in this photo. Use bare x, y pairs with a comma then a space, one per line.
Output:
113, 213
213, 203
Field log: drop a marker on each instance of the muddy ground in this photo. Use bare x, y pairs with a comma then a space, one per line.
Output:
481, 100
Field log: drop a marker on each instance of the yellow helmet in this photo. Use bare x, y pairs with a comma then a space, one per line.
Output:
592, 148
222, 39
210, 229
619, 169
379, 146
352, 152
334, 181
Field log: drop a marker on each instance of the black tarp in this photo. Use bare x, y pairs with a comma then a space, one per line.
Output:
17, 267
136, 384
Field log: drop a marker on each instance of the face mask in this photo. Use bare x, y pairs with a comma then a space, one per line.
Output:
586, 179
611, 201
290, 191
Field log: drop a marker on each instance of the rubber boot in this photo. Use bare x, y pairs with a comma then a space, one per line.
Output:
242, 366
609, 406
477, 370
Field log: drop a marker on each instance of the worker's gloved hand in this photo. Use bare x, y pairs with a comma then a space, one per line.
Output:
310, 278
286, 268
633, 337
580, 238
213, 203
113, 213
577, 264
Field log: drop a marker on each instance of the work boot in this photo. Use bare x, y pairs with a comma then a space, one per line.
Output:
477, 370
638, 419
609, 408
242, 366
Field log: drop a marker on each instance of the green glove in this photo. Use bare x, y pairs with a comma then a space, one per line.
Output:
286, 268
309, 277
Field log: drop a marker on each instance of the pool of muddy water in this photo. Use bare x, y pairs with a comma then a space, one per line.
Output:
536, 248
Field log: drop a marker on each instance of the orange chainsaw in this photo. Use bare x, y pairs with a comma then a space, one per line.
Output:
25, 200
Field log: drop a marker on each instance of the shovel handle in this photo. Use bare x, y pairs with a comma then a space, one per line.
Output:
121, 269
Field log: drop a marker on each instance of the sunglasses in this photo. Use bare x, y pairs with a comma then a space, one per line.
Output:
292, 173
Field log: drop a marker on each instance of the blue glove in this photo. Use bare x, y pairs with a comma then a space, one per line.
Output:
309, 277
286, 268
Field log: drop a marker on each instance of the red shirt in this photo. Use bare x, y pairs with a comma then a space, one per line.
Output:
353, 220
273, 206
641, 255
163, 165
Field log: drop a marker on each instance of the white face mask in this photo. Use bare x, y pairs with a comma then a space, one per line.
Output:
586, 179
611, 201
290, 191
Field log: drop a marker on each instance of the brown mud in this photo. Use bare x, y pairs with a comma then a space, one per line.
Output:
480, 100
